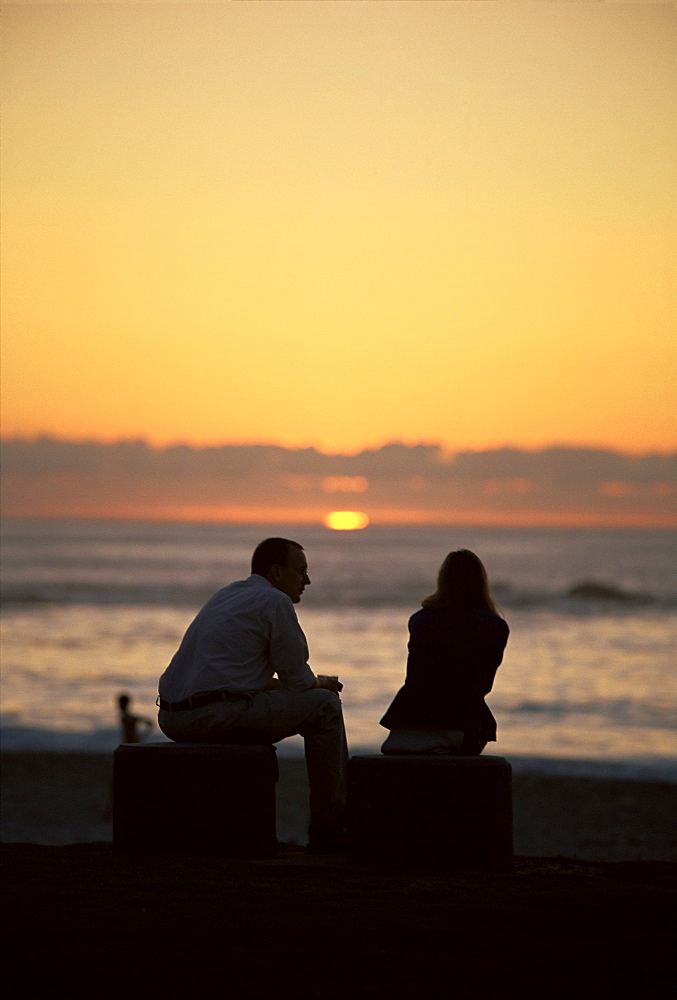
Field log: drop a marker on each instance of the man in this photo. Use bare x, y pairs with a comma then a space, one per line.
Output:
243, 664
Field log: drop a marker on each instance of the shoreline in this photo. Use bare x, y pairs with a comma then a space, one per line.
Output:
649, 767
56, 798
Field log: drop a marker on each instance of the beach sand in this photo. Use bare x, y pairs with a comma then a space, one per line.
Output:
62, 798
82, 919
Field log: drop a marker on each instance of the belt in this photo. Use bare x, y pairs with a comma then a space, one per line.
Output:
197, 700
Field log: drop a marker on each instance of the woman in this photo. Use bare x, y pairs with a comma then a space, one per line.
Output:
456, 643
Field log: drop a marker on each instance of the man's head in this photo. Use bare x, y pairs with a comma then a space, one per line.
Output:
283, 563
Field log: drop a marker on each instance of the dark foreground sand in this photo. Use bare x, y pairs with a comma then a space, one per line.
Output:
83, 920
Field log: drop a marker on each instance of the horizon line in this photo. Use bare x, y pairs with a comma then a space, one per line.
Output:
391, 518
441, 446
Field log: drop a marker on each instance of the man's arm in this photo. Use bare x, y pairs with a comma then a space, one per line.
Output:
321, 681
288, 649
328, 683
289, 655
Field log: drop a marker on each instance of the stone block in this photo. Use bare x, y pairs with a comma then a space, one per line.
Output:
195, 798
442, 812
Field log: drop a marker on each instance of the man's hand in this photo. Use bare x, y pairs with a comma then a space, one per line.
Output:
328, 683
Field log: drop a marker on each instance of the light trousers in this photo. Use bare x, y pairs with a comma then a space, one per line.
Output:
316, 715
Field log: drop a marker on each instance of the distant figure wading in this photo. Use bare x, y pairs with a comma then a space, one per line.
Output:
133, 728
456, 644
242, 668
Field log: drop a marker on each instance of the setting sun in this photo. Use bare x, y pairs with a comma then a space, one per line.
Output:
346, 520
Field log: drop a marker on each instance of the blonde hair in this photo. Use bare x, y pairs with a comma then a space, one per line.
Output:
462, 582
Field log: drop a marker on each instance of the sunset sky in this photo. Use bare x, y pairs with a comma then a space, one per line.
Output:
339, 224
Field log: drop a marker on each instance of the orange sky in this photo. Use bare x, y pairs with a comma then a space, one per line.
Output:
339, 224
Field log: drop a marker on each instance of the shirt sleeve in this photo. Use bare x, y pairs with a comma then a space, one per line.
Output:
289, 650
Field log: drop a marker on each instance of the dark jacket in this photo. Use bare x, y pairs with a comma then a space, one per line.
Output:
452, 662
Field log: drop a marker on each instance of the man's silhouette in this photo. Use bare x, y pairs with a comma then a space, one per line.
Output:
243, 666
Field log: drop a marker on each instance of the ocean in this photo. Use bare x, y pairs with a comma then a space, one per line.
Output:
91, 609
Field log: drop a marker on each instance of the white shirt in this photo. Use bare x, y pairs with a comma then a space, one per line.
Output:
244, 635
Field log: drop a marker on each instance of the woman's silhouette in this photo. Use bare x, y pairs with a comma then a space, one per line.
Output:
456, 643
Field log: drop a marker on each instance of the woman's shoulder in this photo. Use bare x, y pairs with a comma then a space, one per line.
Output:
486, 620
469, 617
427, 616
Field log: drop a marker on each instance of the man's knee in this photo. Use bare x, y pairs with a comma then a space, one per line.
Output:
328, 700
326, 705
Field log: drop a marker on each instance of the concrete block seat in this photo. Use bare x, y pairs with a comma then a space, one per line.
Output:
195, 798
442, 812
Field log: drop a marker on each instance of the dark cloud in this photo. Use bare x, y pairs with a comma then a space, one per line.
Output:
48, 476
564, 465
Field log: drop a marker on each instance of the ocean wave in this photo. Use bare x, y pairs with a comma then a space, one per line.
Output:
623, 712
591, 590
85, 593
581, 598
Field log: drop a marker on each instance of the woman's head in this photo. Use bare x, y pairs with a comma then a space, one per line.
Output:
462, 582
